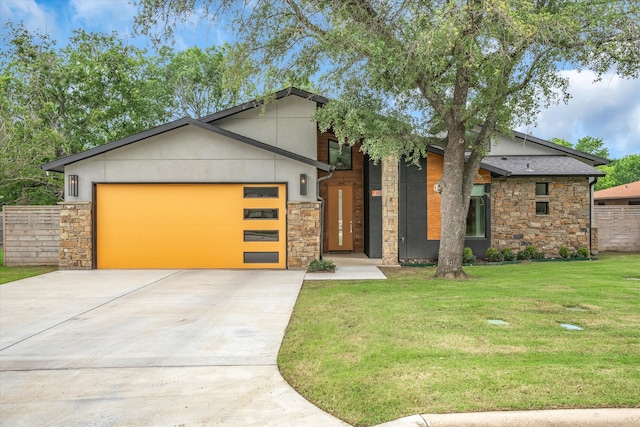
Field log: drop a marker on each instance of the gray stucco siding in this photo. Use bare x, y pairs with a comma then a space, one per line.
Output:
191, 154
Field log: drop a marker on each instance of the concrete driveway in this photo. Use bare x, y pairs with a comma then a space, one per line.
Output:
149, 347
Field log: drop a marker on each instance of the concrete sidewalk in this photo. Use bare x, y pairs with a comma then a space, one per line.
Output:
550, 418
149, 347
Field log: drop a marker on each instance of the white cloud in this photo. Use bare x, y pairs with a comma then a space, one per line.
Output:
104, 15
608, 109
35, 17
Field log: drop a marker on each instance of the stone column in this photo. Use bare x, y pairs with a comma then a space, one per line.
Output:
76, 236
390, 190
303, 233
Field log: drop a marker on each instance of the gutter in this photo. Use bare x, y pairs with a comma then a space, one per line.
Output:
591, 200
321, 200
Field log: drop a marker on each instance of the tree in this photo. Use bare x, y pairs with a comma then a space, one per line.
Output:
591, 145
620, 171
563, 142
406, 74
203, 81
57, 102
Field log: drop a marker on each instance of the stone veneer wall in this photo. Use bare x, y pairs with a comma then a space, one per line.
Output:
514, 222
303, 233
76, 236
390, 231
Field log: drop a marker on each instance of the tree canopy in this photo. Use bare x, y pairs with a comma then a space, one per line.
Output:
55, 102
404, 74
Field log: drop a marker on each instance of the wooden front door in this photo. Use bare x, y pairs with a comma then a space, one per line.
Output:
340, 218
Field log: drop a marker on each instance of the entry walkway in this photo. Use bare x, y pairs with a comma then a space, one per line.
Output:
353, 266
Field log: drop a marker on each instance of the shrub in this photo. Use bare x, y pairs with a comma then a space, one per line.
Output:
523, 255
494, 255
533, 252
582, 252
507, 254
467, 256
564, 251
321, 265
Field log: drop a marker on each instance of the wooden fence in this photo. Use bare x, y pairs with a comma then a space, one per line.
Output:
31, 235
618, 228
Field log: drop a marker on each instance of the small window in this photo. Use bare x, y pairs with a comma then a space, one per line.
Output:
261, 214
339, 156
542, 189
542, 208
261, 236
261, 257
261, 192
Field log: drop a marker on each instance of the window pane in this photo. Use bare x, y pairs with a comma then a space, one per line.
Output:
261, 257
542, 189
542, 208
261, 214
265, 192
340, 157
261, 236
476, 217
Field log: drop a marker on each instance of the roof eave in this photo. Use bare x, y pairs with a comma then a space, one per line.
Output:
59, 164
597, 161
319, 100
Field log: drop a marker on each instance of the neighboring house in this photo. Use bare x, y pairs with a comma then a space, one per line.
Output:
244, 188
625, 194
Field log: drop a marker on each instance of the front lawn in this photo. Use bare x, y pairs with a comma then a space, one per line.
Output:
9, 274
374, 351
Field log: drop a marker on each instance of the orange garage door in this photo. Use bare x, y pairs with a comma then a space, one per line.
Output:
191, 225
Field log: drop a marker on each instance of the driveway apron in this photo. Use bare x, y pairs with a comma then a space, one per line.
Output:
149, 347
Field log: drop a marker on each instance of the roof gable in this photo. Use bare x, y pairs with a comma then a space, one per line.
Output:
58, 165
258, 103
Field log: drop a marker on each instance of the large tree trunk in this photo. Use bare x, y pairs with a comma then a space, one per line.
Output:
456, 184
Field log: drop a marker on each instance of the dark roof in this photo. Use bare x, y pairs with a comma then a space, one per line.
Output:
320, 100
597, 161
542, 166
483, 165
58, 165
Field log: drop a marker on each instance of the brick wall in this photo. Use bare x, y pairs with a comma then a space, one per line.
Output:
515, 224
390, 231
76, 236
303, 233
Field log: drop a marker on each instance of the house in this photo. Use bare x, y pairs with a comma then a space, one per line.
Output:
625, 194
259, 186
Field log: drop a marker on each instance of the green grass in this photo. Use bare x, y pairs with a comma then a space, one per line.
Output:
9, 274
374, 351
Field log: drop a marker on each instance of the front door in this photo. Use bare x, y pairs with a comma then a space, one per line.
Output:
340, 218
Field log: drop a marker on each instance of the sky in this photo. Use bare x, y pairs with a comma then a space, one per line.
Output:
608, 109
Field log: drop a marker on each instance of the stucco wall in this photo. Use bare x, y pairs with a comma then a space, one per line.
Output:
191, 154
515, 224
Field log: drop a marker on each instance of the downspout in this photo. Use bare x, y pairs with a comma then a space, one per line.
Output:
321, 200
595, 179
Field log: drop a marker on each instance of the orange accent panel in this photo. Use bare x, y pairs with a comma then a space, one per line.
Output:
435, 164
434, 174
183, 226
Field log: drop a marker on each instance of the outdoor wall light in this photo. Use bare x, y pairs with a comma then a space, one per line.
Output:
303, 184
73, 185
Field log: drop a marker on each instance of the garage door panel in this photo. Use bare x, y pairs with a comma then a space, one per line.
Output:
186, 226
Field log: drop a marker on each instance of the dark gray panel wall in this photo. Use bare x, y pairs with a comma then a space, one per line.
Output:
372, 210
